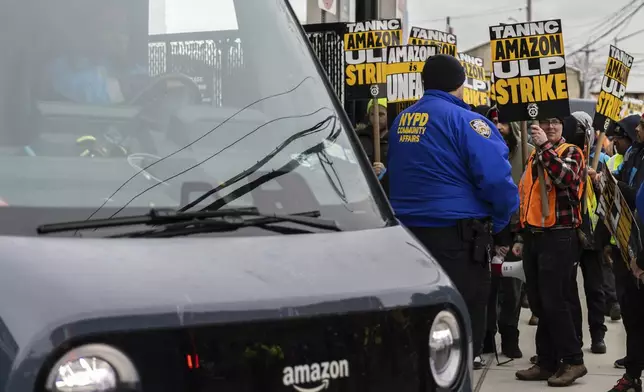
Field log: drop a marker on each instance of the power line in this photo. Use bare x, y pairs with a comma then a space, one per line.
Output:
490, 11
630, 35
609, 22
591, 43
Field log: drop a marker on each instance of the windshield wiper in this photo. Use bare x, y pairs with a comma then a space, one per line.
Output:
174, 223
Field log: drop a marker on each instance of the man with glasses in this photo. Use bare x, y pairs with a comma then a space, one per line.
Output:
551, 252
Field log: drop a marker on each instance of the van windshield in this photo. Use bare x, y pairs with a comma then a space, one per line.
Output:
109, 108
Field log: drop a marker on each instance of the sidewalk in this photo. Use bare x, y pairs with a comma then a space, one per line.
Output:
601, 373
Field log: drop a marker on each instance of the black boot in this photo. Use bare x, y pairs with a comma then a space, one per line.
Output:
597, 343
489, 343
510, 343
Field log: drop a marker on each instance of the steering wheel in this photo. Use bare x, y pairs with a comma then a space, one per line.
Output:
140, 160
147, 93
158, 106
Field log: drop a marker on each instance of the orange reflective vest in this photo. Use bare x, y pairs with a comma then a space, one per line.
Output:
530, 195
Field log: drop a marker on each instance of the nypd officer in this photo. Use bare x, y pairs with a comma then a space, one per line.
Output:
451, 183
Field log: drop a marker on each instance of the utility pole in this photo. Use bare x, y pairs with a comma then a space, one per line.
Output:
528, 10
585, 90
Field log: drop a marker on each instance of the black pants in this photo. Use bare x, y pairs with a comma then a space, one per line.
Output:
504, 304
549, 261
631, 300
591, 264
471, 279
575, 308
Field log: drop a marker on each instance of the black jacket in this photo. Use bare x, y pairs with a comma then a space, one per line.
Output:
633, 166
365, 135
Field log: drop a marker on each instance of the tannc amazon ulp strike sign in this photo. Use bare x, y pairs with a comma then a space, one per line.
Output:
613, 89
475, 90
529, 71
365, 53
445, 41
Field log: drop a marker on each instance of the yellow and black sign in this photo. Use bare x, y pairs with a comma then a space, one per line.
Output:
365, 46
613, 88
618, 218
445, 41
404, 76
529, 71
476, 86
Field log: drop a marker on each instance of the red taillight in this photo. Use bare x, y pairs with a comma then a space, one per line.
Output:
192, 361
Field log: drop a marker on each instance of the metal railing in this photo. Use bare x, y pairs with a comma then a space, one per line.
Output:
215, 59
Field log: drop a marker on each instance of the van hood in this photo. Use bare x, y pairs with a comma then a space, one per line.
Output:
58, 286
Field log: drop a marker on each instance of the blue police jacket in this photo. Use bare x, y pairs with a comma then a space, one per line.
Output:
82, 80
447, 163
639, 203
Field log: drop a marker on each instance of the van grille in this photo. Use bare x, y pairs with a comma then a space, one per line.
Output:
383, 351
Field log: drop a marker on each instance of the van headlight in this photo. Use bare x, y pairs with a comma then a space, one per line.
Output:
445, 349
92, 368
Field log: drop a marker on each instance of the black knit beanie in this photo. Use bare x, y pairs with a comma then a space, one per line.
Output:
443, 72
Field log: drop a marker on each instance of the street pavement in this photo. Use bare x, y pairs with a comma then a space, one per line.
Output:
601, 374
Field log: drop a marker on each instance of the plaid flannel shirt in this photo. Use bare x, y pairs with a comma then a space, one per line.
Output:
565, 173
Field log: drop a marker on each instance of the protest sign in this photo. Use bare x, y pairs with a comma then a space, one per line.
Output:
476, 85
365, 57
613, 89
446, 41
529, 71
404, 76
618, 218
632, 106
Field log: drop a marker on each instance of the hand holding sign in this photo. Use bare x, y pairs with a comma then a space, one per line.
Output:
538, 135
594, 176
637, 271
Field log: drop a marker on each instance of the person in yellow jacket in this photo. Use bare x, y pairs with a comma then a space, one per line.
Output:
551, 252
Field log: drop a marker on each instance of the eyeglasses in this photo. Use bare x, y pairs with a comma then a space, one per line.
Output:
550, 121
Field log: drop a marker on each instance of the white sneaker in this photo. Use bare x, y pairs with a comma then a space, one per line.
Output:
479, 363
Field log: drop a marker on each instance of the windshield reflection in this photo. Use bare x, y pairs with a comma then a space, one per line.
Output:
98, 116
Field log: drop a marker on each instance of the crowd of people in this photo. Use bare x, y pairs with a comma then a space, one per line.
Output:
466, 191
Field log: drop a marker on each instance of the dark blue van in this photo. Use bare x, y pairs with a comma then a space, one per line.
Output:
184, 207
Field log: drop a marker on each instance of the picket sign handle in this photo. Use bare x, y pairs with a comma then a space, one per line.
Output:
598, 150
524, 143
595, 163
376, 131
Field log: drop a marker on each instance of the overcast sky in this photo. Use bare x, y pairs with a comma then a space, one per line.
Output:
470, 19
582, 19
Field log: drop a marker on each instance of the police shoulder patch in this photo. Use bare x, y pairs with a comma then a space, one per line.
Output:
481, 128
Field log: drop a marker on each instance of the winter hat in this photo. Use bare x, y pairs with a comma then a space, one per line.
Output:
626, 127
492, 113
579, 121
443, 72
381, 102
